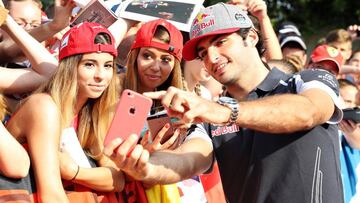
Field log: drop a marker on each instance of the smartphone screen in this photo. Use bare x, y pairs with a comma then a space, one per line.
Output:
130, 116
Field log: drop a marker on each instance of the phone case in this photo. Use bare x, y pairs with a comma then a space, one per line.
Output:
130, 116
352, 114
157, 122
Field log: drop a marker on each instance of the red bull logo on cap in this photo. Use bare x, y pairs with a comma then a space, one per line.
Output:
201, 22
199, 18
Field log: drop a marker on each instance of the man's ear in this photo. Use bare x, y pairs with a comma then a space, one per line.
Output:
251, 39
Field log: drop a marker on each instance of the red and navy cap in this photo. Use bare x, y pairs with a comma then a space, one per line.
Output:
144, 37
80, 39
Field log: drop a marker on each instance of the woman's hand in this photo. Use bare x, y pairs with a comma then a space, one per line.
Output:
155, 144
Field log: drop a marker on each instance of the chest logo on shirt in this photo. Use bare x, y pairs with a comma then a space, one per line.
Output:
222, 130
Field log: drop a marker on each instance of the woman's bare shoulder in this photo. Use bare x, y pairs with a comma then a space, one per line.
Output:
40, 105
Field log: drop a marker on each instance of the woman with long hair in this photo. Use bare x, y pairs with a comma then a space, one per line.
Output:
82, 93
154, 64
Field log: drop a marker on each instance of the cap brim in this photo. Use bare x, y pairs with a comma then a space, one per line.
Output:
189, 50
296, 39
318, 59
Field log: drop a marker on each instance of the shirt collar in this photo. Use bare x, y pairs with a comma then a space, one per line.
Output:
272, 80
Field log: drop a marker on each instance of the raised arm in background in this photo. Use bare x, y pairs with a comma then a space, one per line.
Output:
9, 49
43, 63
258, 9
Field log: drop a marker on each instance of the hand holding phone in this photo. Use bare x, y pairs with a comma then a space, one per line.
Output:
130, 116
157, 122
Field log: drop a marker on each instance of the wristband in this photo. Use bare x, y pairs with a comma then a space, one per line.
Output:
77, 172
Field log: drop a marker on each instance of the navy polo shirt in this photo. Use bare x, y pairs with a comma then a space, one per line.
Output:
294, 167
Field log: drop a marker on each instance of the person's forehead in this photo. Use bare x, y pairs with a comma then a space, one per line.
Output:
343, 45
348, 89
155, 50
97, 56
24, 8
23, 4
206, 41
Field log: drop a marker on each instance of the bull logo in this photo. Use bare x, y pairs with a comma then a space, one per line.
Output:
199, 18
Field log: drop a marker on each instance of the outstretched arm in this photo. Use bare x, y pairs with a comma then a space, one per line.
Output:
105, 177
258, 9
120, 28
44, 64
9, 48
313, 105
14, 160
163, 167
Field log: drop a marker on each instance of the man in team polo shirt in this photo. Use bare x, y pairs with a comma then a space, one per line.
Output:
274, 137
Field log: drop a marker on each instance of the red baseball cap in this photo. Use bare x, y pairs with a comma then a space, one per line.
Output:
80, 39
325, 52
144, 37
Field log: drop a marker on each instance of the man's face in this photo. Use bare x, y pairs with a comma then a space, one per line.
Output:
223, 56
25, 13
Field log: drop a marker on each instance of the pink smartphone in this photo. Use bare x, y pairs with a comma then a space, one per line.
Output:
130, 116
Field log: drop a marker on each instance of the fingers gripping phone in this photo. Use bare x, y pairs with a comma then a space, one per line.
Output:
157, 122
352, 114
130, 116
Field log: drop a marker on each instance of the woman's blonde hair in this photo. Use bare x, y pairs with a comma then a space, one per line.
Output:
95, 116
131, 80
3, 107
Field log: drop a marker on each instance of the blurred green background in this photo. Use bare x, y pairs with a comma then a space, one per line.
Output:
313, 17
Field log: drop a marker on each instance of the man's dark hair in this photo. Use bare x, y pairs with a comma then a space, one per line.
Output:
245, 31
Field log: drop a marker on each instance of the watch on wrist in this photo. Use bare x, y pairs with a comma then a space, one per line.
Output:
233, 105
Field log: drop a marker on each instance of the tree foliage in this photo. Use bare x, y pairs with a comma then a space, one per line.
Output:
314, 17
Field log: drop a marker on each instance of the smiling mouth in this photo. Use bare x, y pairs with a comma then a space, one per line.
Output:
97, 87
219, 68
153, 77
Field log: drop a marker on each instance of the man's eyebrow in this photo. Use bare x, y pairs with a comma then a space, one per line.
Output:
198, 49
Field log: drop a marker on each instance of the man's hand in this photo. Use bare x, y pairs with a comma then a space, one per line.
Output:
129, 156
191, 108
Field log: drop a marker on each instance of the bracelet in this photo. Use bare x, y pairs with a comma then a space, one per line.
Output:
77, 172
